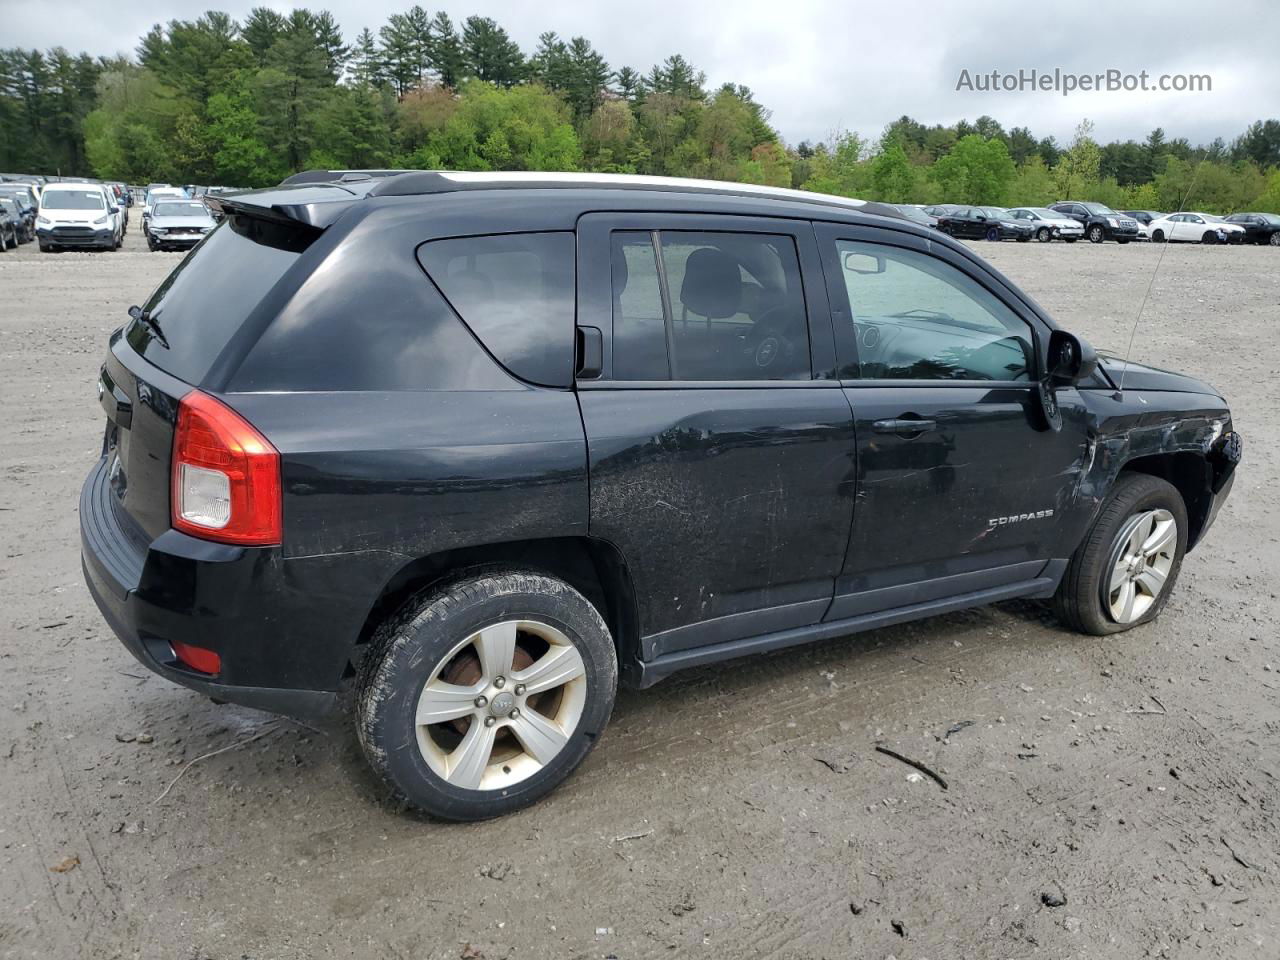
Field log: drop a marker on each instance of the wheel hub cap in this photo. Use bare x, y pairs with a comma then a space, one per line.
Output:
501, 705
1142, 561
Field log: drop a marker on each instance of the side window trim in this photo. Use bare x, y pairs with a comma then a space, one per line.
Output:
848, 362
595, 307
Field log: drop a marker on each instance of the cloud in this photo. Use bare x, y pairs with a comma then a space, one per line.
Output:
822, 66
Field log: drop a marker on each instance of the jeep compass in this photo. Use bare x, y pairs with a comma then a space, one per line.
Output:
458, 453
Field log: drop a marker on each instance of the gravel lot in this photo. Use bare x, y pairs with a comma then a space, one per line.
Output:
729, 812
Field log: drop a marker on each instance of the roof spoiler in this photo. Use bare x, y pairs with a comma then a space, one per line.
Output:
315, 205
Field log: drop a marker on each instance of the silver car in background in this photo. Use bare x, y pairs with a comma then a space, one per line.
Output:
178, 224
1049, 224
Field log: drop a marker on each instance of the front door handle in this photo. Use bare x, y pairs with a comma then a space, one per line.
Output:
904, 427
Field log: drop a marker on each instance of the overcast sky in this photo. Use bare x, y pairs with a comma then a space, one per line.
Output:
823, 66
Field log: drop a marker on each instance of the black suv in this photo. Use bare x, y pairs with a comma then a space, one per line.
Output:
1100, 222
462, 451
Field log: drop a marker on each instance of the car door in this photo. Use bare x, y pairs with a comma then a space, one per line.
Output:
720, 446
962, 487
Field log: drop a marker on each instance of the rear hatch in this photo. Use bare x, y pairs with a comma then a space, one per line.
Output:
167, 350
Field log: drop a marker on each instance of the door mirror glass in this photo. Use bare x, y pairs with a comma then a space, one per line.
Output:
856, 262
1071, 359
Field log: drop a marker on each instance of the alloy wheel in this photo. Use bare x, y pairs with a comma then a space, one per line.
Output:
1142, 560
501, 705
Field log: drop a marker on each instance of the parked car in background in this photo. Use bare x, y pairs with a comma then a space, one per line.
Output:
28, 203
1048, 224
395, 449
984, 223
1258, 227
1143, 216
915, 214
1100, 222
178, 224
78, 215
939, 210
1191, 226
156, 194
12, 227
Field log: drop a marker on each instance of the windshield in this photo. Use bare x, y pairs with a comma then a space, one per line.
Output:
73, 200
1045, 214
187, 208
1101, 208
1212, 219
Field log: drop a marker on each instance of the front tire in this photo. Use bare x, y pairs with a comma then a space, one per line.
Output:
1124, 570
484, 694
1043, 235
1157, 236
1209, 238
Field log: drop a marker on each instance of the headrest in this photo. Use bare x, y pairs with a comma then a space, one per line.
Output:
712, 286
619, 267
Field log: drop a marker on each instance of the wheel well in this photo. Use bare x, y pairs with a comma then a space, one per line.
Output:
593, 567
1189, 473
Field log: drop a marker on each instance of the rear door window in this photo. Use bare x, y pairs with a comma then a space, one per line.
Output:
724, 306
516, 294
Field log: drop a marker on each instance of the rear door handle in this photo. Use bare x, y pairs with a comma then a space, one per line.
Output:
904, 426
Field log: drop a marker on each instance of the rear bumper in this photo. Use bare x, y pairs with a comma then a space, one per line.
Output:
226, 599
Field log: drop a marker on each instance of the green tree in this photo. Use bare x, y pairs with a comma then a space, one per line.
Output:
893, 179
976, 171
1079, 164
490, 54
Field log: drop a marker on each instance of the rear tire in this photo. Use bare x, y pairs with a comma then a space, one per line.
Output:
1097, 234
1274, 239
462, 653
1096, 581
993, 235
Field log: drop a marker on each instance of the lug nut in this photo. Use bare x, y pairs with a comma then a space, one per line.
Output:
499, 682
515, 713
490, 721
519, 689
482, 701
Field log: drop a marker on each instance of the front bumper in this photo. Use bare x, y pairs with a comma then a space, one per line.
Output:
227, 599
77, 236
177, 241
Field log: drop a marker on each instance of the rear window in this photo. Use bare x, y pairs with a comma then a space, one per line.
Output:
516, 294
208, 296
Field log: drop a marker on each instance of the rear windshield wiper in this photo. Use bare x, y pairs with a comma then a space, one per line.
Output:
144, 317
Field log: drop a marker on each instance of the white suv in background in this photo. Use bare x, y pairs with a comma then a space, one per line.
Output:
78, 215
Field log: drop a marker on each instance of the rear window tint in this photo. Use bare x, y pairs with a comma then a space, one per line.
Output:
516, 293
209, 295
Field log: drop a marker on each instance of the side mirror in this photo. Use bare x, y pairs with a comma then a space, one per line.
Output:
114, 209
1071, 359
856, 262
982, 217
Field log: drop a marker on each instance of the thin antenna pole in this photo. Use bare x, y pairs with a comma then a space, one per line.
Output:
1150, 283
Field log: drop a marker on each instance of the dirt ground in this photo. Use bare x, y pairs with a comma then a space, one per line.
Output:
736, 811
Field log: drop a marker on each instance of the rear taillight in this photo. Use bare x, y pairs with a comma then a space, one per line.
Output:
226, 476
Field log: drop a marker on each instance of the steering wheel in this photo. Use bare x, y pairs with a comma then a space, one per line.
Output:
765, 342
